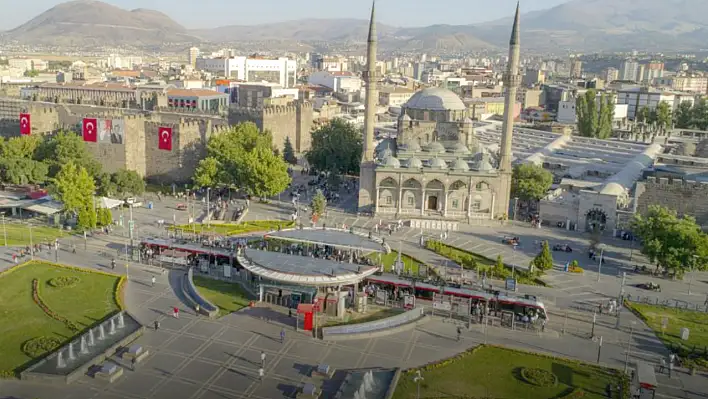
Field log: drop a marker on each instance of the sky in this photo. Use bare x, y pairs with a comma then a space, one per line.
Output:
213, 13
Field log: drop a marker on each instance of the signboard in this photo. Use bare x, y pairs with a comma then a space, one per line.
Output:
511, 284
664, 323
176, 261
111, 130
408, 301
442, 306
381, 296
227, 270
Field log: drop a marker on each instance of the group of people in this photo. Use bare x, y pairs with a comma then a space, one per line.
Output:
37, 248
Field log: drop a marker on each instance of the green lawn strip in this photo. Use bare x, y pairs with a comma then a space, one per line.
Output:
229, 297
483, 263
375, 315
230, 229
18, 234
91, 299
411, 264
495, 372
695, 349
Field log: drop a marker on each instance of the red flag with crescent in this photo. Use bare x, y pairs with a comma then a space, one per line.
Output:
165, 138
90, 129
25, 124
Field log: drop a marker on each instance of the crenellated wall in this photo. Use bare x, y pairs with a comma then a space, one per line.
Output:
293, 121
685, 196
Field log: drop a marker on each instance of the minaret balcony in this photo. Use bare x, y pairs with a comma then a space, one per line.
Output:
512, 80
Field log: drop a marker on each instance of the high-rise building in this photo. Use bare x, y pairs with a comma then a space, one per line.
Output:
654, 69
192, 55
576, 68
611, 74
640, 73
629, 70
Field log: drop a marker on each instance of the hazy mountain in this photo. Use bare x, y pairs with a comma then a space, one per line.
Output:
579, 25
94, 22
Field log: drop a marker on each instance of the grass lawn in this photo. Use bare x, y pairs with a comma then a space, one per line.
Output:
696, 322
230, 229
373, 316
90, 300
494, 372
411, 265
229, 297
483, 263
18, 234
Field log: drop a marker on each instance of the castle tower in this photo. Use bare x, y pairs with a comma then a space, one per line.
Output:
367, 183
512, 80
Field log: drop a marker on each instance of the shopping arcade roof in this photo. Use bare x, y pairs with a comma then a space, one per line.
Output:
333, 237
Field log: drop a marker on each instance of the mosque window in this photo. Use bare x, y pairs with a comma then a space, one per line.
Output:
411, 201
389, 200
455, 203
477, 205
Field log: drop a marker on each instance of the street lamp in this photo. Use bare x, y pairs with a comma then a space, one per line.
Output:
599, 267
629, 346
31, 244
4, 231
417, 379
690, 277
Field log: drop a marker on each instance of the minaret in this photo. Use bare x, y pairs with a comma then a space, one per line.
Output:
367, 175
512, 80
371, 92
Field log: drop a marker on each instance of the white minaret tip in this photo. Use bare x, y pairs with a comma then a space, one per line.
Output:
515, 31
372, 23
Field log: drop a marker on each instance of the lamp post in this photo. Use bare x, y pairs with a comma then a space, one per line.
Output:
690, 277
629, 347
599, 267
31, 244
208, 210
417, 379
4, 230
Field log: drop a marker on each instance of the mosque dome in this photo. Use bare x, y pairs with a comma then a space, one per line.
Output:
385, 153
435, 99
437, 163
435, 148
414, 163
405, 117
484, 165
391, 162
413, 146
461, 165
459, 148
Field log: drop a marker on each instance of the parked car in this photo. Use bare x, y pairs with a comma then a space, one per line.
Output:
562, 248
511, 240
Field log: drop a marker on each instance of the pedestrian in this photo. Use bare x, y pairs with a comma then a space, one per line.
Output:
132, 363
282, 336
157, 325
196, 309
290, 312
73, 248
459, 333
175, 312
260, 374
14, 258
153, 281
262, 359
662, 365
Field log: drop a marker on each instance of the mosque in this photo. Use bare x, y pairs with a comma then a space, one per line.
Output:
436, 168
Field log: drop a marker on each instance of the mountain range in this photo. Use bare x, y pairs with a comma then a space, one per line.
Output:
578, 25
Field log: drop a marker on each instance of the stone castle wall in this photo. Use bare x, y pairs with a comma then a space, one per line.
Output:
294, 121
686, 197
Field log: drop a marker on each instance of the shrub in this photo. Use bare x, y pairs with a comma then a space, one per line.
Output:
7, 374
575, 394
39, 346
539, 377
63, 281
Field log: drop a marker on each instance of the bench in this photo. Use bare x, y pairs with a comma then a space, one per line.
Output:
135, 353
308, 391
322, 370
109, 372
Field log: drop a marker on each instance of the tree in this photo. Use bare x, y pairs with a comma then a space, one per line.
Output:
243, 157
683, 116
595, 115
206, 174
699, 114
74, 188
318, 205
65, 147
544, 260
530, 182
499, 266
336, 148
672, 243
105, 186
86, 218
128, 182
642, 115
20, 147
289, 152
22, 171
663, 116
104, 217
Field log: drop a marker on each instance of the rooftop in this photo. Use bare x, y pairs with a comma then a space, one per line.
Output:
436, 99
193, 93
335, 238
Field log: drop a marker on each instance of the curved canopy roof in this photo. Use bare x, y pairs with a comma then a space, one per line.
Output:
436, 99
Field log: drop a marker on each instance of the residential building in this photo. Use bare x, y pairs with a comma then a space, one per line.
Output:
654, 70
568, 114
576, 69
192, 55
611, 74
638, 97
394, 96
629, 70
689, 82
256, 95
534, 77
282, 71
529, 98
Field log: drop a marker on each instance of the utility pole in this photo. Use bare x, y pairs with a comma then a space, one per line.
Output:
4, 230
620, 300
594, 320
629, 347
417, 379
31, 244
599, 267
599, 350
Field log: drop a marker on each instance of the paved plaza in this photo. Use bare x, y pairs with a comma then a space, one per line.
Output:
194, 358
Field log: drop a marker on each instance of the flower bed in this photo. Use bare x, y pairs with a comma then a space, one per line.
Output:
63, 281
575, 394
118, 292
539, 377
38, 300
39, 346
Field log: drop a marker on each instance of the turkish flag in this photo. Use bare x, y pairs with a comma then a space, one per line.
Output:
90, 129
25, 124
165, 138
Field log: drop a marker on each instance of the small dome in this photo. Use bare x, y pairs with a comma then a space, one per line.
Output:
461, 165
468, 120
405, 117
414, 163
483, 165
435, 148
391, 162
459, 148
435, 99
385, 153
413, 146
437, 163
